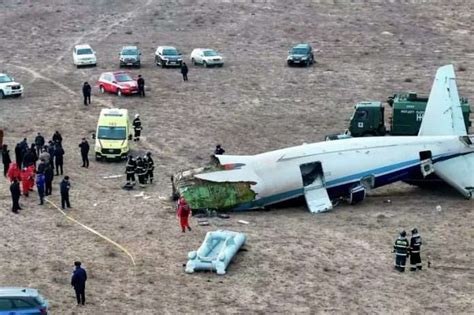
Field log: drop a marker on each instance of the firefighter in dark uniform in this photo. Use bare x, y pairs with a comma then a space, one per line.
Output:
137, 127
401, 248
415, 248
141, 171
150, 166
130, 170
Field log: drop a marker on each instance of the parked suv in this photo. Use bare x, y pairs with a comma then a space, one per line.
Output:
119, 82
83, 55
8, 86
301, 54
206, 57
22, 301
166, 56
130, 56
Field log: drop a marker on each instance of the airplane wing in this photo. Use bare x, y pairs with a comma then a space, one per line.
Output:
459, 173
443, 115
234, 159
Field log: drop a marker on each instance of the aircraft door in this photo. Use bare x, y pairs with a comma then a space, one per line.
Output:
426, 164
314, 187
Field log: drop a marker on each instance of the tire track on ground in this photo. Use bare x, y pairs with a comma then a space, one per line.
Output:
109, 29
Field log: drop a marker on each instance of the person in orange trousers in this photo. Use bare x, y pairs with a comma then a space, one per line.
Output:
183, 214
27, 180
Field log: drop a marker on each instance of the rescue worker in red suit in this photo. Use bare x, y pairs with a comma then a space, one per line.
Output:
27, 180
13, 172
183, 214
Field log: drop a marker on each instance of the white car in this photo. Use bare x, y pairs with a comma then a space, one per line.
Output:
8, 86
206, 57
83, 55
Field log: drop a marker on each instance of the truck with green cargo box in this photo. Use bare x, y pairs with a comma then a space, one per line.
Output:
407, 112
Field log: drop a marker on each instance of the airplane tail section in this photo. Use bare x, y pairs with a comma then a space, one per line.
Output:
443, 115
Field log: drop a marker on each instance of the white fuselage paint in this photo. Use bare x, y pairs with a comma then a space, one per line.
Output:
343, 161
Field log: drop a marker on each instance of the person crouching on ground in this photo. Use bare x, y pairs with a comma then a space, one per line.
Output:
183, 214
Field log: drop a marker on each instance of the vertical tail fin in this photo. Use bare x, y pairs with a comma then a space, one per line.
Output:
443, 115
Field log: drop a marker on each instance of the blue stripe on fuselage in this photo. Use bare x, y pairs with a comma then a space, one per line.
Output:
340, 186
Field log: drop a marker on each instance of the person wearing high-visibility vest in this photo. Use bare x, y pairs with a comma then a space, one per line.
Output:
415, 249
401, 248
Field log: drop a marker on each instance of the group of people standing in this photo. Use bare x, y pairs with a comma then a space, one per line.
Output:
29, 172
141, 168
404, 249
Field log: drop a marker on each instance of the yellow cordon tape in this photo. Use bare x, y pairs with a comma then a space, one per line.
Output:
94, 231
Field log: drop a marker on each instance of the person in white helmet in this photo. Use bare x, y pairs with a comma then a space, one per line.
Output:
137, 127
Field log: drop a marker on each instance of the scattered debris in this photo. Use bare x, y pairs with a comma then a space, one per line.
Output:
141, 194
223, 216
203, 222
146, 197
243, 222
438, 208
112, 176
387, 201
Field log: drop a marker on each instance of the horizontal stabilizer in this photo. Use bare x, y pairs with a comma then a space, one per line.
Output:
443, 115
459, 173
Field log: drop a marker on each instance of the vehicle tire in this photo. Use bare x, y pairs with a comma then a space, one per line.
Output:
101, 89
368, 134
193, 61
220, 65
204, 64
119, 93
162, 64
2, 95
17, 95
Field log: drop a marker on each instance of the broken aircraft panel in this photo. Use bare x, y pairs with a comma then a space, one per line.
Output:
204, 194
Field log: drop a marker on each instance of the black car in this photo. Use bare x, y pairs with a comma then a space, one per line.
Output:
301, 54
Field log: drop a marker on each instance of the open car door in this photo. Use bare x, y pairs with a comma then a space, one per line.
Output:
314, 187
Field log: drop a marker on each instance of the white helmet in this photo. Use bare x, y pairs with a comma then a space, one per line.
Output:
136, 115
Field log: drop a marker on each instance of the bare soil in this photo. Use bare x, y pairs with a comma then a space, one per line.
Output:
295, 262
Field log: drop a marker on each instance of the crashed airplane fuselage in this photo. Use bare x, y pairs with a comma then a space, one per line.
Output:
342, 168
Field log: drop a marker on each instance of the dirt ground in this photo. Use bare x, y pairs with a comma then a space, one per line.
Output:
295, 262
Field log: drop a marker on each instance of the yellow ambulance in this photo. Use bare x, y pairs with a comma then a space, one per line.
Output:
113, 134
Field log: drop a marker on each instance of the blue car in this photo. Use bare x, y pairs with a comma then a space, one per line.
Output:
22, 301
